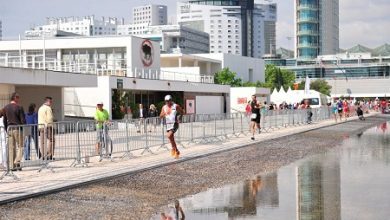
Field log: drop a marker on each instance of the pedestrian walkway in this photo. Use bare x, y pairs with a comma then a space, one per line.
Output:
33, 183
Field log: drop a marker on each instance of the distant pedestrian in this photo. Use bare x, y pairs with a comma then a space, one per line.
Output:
153, 113
142, 114
102, 119
3, 135
309, 114
46, 129
335, 110
255, 116
14, 116
32, 131
170, 113
383, 105
359, 113
340, 108
248, 109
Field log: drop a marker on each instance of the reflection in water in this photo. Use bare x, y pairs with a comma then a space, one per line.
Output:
327, 186
237, 200
318, 190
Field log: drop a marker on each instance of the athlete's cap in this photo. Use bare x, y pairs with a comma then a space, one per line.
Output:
168, 98
99, 103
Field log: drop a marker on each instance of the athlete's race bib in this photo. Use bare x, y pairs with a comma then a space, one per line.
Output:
253, 116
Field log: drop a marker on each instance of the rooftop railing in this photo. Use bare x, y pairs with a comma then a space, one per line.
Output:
105, 67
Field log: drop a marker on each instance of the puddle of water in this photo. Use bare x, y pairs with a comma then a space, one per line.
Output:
350, 182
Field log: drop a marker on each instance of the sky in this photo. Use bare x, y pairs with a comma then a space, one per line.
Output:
365, 22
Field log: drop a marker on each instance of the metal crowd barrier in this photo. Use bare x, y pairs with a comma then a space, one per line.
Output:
75, 143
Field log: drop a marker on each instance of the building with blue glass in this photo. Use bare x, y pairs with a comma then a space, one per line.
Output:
316, 28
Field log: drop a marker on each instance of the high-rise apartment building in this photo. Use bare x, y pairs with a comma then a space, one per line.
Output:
235, 26
151, 15
87, 26
144, 17
316, 28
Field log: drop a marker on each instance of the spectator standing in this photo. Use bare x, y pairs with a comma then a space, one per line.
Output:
46, 129
14, 116
101, 118
3, 152
32, 120
142, 114
248, 109
383, 105
153, 113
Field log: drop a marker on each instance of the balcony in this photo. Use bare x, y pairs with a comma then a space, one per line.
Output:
307, 7
308, 45
307, 32
101, 67
308, 20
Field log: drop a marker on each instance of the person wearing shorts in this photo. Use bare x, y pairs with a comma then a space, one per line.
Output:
170, 112
101, 117
255, 116
335, 110
340, 108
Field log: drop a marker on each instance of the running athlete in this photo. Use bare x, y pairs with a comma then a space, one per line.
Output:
255, 116
170, 112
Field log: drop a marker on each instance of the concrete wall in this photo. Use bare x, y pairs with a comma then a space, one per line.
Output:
209, 104
82, 101
360, 87
36, 95
241, 65
19, 76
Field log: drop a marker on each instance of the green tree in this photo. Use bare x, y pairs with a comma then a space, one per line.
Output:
227, 77
319, 85
277, 78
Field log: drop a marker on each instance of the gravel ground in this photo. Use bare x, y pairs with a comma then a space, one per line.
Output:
139, 196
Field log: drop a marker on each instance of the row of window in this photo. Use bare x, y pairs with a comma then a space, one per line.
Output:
220, 46
220, 51
228, 21
220, 36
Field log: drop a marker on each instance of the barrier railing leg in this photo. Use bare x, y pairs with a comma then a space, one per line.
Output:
128, 153
78, 161
163, 144
8, 172
147, 147
48, 133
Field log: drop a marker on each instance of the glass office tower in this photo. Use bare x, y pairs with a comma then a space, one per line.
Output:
316, 28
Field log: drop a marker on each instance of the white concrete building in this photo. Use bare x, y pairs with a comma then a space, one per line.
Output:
86, 26
144, 17
150, 15
316, 28
178, 39
235, 27
120, 65
249, 69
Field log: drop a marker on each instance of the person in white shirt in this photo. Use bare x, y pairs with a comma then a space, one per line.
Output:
170, 113
46, 129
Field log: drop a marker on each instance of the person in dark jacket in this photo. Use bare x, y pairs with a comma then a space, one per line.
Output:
359, 112
13, 117
142, 114
32, 131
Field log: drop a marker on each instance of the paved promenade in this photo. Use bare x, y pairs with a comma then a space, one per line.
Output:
33, 183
